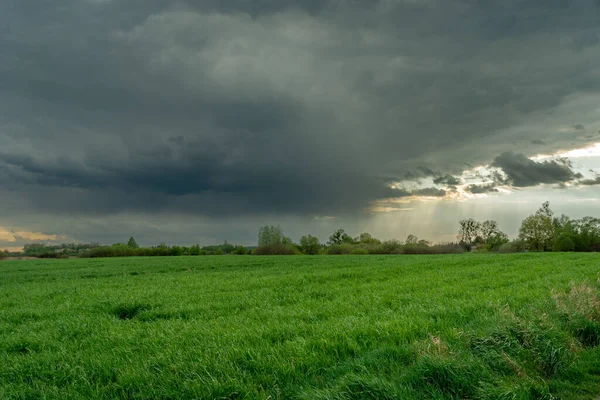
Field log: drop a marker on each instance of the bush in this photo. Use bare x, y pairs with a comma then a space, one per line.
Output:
53, 254
449, 248
580, 307
495, 241
111, 251
387, 247
240, 251
310, 245
507, 248
159, 251
360, 250
564, 243
126, 251
276, 249
144, 252
176, 251
344, 248
195, 250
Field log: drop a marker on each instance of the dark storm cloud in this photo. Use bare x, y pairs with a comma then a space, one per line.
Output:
590, 182
252, 107
429, 192
522, 171
426, 171
479, 189
538, 141
579, 127
198, 187
439, 178
446, 180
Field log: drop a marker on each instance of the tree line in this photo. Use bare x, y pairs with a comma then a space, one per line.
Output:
271, 240
131, 249
541, 231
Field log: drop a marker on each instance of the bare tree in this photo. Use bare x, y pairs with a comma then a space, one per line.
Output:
469, 229
488, 229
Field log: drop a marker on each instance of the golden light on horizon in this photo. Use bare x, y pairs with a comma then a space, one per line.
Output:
15, 249
7, 236
12, 236
592, 150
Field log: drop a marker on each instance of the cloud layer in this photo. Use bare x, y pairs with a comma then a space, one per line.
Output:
230, 107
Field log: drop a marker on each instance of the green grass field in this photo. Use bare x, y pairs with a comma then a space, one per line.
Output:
515, 326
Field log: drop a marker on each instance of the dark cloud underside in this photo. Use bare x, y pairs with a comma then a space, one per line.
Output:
522, 171
430, 192
479, 189
236, 107
590, 182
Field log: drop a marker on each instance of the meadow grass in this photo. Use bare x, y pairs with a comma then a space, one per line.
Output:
487, 326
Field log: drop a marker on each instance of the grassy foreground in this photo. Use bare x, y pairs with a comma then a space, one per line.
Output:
515, 326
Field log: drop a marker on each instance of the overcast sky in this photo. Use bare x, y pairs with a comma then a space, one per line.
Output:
197, 122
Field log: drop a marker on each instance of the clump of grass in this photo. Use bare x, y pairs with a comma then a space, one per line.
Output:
24, 347
372, 387
580, 307
520, 345
588, 332
447, 377
147, 315
582, 300
127, 311
523, 390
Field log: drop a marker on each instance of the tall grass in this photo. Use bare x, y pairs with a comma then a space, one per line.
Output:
478, 326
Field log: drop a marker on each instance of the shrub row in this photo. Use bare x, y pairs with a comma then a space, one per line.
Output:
395, 247
276, 249
160, 251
